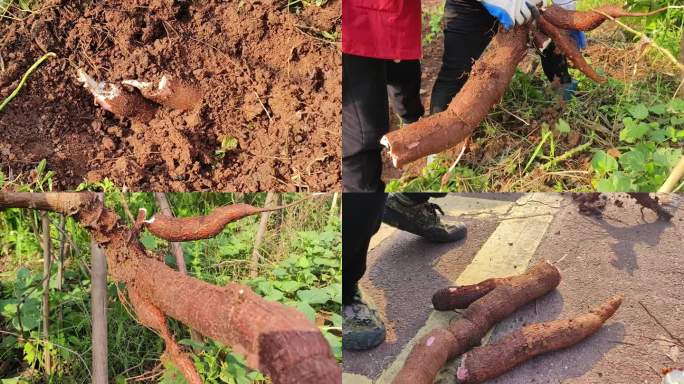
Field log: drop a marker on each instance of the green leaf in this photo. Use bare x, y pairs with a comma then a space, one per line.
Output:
603, 163
638, 111
193, 344
633, 160
313, 296
617, 182
288, 286
633, 130
658, 109
149, 241
563, 126
306, 309
666, 157
677, 105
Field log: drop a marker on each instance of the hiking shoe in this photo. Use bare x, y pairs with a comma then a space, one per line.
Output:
421, 219
362, 329
567, 90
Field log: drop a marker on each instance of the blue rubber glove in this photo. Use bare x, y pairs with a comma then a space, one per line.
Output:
579, 36
511, 12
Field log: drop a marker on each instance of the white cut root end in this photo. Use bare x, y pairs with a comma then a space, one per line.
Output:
101, 90
385, 143
138, 84
462, 372
150, 221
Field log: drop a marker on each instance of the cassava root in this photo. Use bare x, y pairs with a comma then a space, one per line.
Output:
432, 351
490, 76
492, 360
178, 229
278, 340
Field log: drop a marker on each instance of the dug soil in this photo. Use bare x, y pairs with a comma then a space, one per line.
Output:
270, 82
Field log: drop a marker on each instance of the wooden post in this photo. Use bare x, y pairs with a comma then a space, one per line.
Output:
60, 265
98, 281
263, 224
47, 266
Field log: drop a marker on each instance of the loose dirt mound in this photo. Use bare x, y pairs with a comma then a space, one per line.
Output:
268, 81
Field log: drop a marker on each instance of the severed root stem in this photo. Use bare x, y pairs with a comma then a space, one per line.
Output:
569, 48
433, 350
589, 20
177, 229
489, 361
169, 91
117, 100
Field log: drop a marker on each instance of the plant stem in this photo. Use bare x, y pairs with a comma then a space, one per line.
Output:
24, 78
569, 154
98, 281
47, 266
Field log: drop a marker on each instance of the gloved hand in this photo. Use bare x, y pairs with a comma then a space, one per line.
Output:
511, 12
579, 36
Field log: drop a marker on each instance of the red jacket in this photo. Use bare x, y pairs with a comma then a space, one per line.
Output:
382, 29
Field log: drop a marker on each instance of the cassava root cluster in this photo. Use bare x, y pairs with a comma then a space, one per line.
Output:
487, 303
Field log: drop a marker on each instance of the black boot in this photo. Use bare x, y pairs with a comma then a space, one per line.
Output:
362, 328
421, 219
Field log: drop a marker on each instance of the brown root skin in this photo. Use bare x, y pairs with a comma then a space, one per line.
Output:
588, 20
129, 105
456, 297
178, 229
278, 340
488, 80
169, 91
433, 350
567, 45
489, 361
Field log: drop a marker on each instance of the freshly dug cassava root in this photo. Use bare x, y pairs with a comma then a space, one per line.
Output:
487, 83
117, 100
568, 46
588, 20
433, 350
278, 340
492, 360
456, 297
177, 229
483, 89
169, 91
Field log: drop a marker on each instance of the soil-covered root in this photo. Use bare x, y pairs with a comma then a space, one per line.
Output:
117, 99
588, 20
492, 360
568, 47
178, 229
433, 350
540, 40
169, 91
489, 78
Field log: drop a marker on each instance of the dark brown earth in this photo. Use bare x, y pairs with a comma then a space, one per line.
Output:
268, 80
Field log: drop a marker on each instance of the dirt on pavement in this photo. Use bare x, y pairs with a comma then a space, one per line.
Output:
269, 82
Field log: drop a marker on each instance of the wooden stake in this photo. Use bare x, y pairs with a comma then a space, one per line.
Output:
47, 266
98, 281
263, 224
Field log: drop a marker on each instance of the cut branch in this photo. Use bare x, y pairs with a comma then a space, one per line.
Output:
433, 350
47, 268
278, 340
489, 361
589, 20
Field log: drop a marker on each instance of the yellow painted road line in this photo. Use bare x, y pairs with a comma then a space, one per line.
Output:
507, 251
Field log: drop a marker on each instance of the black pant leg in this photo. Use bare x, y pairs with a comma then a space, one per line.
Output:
422, 197
468, 29
555, 65
361, 218
403, 87
365, 119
